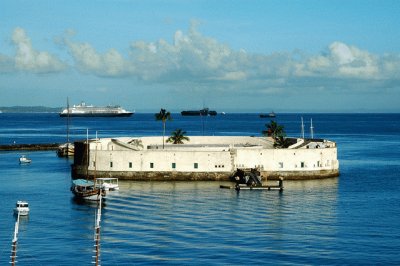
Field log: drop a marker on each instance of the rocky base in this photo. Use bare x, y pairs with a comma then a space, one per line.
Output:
78, 172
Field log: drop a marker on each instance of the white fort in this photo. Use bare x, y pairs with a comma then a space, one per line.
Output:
203, 158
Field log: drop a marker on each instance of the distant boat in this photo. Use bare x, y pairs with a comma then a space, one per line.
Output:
24, 160
83, 110
272, 114
202, 112
21, 208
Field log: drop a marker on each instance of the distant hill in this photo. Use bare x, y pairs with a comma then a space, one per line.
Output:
30, 109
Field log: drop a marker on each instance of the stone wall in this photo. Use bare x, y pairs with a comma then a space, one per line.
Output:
78, 172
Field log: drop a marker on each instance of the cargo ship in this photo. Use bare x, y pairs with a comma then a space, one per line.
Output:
84, 110
202, 112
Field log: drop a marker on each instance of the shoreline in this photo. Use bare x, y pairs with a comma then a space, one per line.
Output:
30, 147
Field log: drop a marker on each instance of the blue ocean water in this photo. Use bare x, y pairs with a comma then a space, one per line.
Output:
352, 219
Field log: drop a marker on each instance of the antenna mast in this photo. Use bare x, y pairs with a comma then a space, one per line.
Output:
67, 122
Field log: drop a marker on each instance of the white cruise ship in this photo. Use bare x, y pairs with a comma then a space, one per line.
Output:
84, 110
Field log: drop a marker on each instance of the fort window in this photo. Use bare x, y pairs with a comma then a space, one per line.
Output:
151, 165
94, 163
196, 165
173, 165
280, 164
130, 164
302, 164
111, 164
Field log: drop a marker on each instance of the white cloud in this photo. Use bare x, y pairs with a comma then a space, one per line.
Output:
31, 60
88, 60
342, 61
194, 58
390, 66
198, 61
233, 76
354, 62
341, 53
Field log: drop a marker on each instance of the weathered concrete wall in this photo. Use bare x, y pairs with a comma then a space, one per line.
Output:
199, 176
304, 160
154, 176
159, 160
299, 175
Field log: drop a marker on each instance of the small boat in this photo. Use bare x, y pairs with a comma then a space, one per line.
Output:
86, 190
21, 208
107, 183
66, 150
23, 160
272, 114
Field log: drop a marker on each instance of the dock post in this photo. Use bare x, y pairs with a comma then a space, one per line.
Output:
97, 233
280, 183
14, 243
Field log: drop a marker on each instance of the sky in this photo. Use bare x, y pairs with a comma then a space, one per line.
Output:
228, 55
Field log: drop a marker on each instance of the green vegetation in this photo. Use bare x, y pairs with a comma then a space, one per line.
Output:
277, 133
178, 136
163, 116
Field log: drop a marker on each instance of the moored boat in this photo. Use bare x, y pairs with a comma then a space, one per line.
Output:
21, 208
84, 110
66, 150
107, 183
24, 160
86, 190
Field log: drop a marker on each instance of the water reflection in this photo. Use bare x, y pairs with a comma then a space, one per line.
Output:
165, 218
